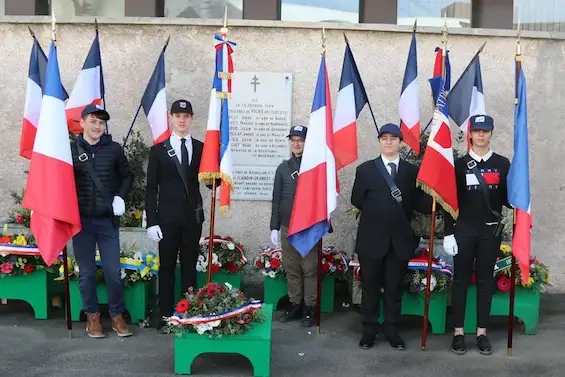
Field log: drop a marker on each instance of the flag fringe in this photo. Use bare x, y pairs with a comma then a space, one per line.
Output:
208, 178
225, 75
433, 193
227, 179
224, 208
223, 95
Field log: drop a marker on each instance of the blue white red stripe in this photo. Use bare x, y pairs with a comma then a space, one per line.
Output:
251, 306
351, 99
409, 105
318, 186
50, 191
519, 183
154, 102
88, 89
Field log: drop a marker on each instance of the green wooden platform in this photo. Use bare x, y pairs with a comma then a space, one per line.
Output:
36, 288
276, 288
526, 307
255, 345
136, 296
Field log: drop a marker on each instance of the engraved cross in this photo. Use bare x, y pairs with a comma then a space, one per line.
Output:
255, 82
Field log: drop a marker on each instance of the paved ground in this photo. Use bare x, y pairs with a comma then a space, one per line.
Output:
30, 348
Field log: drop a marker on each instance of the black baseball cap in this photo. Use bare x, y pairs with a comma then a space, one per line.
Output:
95, 109
298, 131
181, 106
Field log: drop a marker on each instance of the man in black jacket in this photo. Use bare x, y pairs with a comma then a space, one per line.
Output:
103, 179
385, 240
174, 206
301, 272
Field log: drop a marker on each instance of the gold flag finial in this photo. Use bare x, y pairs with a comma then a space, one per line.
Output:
323, 40
53, 22
518, 49
415, 25
224, 29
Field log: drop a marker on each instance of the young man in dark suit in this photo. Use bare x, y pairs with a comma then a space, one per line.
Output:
386, 194
174, 205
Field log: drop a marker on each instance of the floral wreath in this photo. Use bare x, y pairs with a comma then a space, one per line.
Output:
227, 254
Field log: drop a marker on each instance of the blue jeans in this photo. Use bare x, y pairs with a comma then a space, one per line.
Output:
99, 231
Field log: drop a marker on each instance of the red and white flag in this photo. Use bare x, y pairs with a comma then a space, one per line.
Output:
89, 88
50, 191
437, 170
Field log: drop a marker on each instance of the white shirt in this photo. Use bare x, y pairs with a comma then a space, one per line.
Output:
478, 158
387, 161
175, 141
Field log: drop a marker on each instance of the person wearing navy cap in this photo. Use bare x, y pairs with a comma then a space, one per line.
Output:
385, 192
301, 273
474, 240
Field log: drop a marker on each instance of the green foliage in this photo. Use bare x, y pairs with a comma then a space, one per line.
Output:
137, 153
19, 214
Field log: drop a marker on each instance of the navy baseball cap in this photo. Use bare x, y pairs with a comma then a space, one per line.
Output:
482, 122
298, 131
95, 109
181, 106
392, 129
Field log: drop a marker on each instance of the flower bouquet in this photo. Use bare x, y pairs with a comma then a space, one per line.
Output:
226, 254
416, 277
216, 310
539, 272
19, 255
270, 262
334, 262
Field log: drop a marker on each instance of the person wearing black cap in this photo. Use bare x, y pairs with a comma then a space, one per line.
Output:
174, 206
385, 192
103, 179
474, 241
301, 273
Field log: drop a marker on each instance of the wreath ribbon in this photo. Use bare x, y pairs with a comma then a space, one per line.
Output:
251, 306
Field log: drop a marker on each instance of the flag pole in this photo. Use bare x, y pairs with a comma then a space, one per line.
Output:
65, 264
139, 107
101, 71
518, 61
433, 219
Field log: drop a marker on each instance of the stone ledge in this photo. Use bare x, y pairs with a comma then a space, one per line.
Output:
505, 33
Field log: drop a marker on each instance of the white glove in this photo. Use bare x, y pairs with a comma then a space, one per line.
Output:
118, 206
450, 245
154, 233
275, 237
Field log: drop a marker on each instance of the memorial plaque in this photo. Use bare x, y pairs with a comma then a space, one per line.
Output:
260, 119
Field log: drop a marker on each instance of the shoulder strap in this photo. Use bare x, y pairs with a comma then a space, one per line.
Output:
173, 156
85, 159
394, 190
472, 166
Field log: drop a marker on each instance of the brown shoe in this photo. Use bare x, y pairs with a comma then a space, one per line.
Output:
120, 327
93, 326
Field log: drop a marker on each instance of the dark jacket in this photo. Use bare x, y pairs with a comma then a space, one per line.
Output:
166, 199
284, 189
383, 220
110, 164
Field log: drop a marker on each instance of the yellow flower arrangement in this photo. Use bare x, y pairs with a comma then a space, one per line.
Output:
20, 240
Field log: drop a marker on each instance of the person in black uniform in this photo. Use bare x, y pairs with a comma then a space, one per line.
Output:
174, 205
475, 239
386, 194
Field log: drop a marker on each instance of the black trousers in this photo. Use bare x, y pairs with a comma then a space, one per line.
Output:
180, 241
478, 249
376, 273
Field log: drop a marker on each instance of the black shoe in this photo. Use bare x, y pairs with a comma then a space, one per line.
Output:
395, 340
294, 312
162, 327
483, 345
366, 342
309, 317
458, 345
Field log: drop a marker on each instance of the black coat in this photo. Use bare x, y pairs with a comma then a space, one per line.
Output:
113, 170
284, 190
383, 220
166, 200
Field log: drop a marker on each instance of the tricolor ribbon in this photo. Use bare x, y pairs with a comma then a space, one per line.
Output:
10, 248
251, 306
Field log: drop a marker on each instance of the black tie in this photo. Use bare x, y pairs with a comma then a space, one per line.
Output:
392, 166
183, 152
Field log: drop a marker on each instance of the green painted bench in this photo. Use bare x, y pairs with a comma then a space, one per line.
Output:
37, 289
255, 345
276, 288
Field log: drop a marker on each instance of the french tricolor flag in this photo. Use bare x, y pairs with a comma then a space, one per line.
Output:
318, 186
89, 87
50, 191
409, 106
351, 99
34, 95
154, 102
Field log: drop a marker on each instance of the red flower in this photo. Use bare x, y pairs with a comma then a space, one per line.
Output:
325, 267
183, 306
503, 283
275, 263
260, 263
19, 219
232, 267
330, 258
29, 268
474, 278
215, 268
